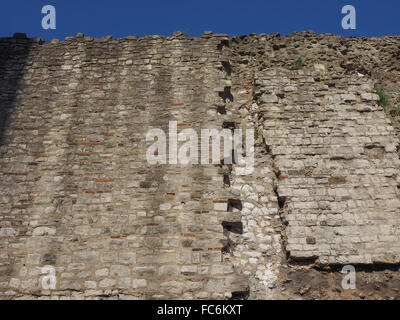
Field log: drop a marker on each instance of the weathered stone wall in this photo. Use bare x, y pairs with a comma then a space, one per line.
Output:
336, 154
77, 192
309, 137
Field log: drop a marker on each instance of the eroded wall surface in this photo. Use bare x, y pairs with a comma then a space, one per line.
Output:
78, 194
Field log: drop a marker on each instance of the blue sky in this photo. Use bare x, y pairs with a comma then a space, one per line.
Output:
121, 18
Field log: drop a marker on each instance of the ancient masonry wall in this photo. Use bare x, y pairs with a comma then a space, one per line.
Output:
77, 193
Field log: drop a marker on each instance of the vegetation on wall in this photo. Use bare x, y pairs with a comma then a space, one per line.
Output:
383, 99
299, 63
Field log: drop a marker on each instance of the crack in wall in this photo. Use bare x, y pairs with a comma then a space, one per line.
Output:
281, 200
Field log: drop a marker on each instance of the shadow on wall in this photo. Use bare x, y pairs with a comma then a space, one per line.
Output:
14, 53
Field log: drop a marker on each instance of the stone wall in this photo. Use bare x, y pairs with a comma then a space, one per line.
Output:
336, 154
77, 193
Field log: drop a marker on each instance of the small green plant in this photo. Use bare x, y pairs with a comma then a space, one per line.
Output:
383, 99
255, 134
299, 63
325, 76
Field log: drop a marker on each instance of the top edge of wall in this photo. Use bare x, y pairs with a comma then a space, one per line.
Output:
19, 37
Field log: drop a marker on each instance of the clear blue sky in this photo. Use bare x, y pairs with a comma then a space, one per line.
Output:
120, 18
